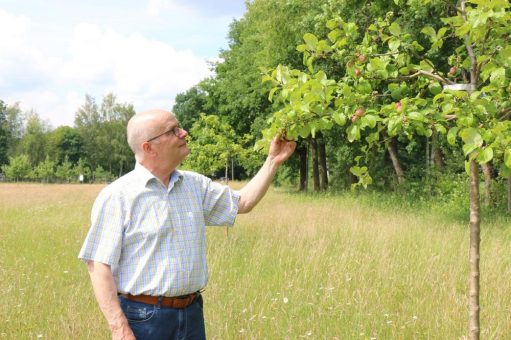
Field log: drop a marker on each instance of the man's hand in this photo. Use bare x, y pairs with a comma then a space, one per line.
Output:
251, 194
281, 149
123, 333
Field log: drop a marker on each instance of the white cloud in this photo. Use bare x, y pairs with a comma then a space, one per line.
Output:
145, 72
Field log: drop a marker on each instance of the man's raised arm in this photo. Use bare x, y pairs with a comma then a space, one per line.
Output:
251, 194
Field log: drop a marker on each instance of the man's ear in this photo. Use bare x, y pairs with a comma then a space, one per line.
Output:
147, 148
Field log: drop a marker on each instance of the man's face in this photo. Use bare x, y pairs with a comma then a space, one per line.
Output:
170, 143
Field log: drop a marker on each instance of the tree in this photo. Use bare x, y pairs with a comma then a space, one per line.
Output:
64, 171
19, 168
213, 146
103, 131
65, 142
45, 170
33, 141
189, 105
4, 133
392, 87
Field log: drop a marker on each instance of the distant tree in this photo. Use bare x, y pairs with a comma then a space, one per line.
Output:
19, 168
45, 170
103, 131
4, 133
15, 125
101, 175
33, 142
65, 142
64, 171
189, 105
81, 168
213, 146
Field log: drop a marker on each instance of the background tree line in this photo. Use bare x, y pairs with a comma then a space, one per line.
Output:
268, 35
227, 112
95, 147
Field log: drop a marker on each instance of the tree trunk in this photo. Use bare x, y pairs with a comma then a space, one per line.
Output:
488, 179
322, 164
303, 167
428, 156
437, 156
232, 169
226, 177
315, 163
352, 179
392, 148
475, 240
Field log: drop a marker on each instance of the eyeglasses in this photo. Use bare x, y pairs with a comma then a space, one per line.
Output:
176, 130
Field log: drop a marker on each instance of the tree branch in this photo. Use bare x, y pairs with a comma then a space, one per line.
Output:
470, 49
429, 75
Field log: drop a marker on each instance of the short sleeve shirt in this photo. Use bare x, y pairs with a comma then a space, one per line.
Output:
154, 237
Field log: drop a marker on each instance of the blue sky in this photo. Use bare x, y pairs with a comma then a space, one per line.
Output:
53, 52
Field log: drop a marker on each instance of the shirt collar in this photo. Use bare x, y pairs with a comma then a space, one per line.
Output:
145, 175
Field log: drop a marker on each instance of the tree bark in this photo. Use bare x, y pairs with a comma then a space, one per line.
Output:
315, 163
474, 255
488, 180
322, 164
226, 171
232, 169
438, 158
302, 151
392, 149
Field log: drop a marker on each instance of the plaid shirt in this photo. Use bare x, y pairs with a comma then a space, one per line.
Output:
153, 237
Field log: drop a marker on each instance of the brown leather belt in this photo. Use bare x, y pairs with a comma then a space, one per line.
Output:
178, 302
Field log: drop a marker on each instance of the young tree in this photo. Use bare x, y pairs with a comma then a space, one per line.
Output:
393, 87
45, 170
19, 168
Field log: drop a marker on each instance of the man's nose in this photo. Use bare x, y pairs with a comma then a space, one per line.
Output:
183, 133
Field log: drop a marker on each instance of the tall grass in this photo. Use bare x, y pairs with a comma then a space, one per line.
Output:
318, 267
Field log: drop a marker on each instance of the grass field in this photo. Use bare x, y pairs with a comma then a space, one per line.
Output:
317, 267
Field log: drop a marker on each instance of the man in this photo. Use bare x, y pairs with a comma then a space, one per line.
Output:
145, 250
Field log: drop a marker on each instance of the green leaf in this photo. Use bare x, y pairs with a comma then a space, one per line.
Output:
468, 149
507, 158
471, 137
331, 24
440, 128
505, 171
311, 40
485, 156
339, 118
430, 31
369, 120
394, 44
451, 135
333, 35
395, 29
416, 116
353, 133
435, 88
356, 170
441, 32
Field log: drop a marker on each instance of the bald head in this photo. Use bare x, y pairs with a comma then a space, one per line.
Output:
145, 125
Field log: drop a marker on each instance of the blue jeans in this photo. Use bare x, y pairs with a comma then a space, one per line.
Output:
150, 322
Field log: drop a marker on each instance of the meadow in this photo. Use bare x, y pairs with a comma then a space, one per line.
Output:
298, 266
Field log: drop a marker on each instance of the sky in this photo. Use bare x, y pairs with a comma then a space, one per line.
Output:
54, 52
